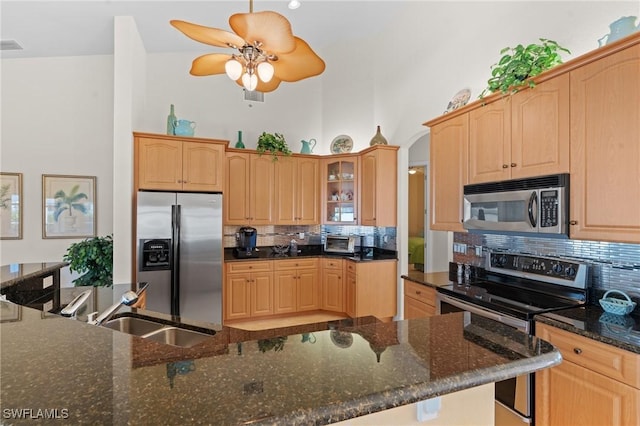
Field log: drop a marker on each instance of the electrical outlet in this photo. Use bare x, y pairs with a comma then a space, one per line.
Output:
478, 251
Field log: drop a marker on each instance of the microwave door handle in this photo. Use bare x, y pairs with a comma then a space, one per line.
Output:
533, 209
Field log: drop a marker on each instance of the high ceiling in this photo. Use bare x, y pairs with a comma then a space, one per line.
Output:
74, 28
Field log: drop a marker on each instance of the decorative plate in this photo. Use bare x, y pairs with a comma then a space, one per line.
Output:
341, 144
460, 99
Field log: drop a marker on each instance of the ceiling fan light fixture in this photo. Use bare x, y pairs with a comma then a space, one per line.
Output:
265, 71
233, 68
294, 4
250, 81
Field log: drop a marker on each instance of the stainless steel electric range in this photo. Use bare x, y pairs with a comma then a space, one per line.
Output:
512, 288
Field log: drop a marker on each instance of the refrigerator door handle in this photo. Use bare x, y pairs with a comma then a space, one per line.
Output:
175, 272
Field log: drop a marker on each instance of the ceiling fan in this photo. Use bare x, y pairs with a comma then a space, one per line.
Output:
266, 51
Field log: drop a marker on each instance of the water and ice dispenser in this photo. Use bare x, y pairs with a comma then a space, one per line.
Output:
155, 254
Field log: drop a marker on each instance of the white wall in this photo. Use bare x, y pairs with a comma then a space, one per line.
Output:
57, 118
58, 113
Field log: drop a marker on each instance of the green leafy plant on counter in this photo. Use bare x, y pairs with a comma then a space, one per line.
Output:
518, 65
273, 143
276, 344
94, 258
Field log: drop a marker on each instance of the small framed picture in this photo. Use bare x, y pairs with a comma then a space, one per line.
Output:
68, 206
11, 207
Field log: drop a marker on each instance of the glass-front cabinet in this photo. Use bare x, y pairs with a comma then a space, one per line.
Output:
340, 177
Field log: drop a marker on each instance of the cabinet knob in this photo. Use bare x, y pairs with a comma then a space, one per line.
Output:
577, 351
573, 222
505, 166
513, 164
418, 292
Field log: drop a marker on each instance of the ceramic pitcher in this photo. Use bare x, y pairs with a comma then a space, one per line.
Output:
307, 147
619, 29
185, 127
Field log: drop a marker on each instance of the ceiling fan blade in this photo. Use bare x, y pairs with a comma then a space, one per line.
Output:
299, 64
270, 28
210, 64
208, 35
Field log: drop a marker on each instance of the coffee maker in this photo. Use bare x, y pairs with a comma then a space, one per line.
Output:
246, 239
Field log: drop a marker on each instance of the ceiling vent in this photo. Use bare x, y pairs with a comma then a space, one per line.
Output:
9, 45
253, 95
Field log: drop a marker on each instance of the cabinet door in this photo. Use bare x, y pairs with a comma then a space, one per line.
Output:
490, 142
286, 176
332, 290
308, 290
571, 395
540, 129
261, 190
416, 309
202, 166
605, 149
448, 157
159, 164
261, 294
351, 303
237, 297
285, 292
340, 191
236, 194
378, 190
308, 191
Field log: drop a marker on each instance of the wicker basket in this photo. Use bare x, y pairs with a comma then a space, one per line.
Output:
617, 306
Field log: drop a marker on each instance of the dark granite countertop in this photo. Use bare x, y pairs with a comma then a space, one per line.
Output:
18, 272
316, 373
622, 331
430, 279
267, 253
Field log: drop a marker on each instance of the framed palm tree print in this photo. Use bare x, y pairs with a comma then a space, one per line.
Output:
11, 206
68, 206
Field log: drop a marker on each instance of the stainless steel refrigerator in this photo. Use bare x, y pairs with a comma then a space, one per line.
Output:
179, 245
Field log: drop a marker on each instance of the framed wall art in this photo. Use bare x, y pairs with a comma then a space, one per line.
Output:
68, 206
11, 205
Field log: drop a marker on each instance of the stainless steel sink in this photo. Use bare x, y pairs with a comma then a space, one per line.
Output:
133, 325
158, 331
177, 336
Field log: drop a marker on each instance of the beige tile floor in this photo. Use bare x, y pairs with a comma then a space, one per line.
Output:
265, 324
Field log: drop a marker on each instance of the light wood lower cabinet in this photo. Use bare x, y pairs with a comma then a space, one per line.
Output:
419, 300
371, 289
297, 285
333, 285
596, 384
248, 290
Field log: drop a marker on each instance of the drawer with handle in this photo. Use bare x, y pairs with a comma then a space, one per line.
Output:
420, 292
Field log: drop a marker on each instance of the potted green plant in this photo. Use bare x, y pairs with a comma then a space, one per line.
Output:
274, 143
518, 65
94, 258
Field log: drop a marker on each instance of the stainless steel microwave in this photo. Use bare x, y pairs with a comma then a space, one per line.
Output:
340, 244
537, 205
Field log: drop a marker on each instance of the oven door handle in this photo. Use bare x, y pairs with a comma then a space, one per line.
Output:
513, 322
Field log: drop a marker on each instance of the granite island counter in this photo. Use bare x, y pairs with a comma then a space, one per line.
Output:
310, 374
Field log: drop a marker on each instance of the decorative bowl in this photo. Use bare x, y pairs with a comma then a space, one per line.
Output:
617, 306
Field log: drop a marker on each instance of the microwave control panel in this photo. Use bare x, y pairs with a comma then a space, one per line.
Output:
549, 200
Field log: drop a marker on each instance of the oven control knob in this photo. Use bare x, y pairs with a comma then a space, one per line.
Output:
501, 260
570, 271
557, 268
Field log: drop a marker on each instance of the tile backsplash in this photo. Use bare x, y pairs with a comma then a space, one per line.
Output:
613, 265
269, 235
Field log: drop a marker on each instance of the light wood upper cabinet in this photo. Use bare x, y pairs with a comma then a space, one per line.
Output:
249, 189
340, 190
522, 135
171, 163
605, 148
540, 129
490, 142
378, 187
448, 172
595, 384
297, 191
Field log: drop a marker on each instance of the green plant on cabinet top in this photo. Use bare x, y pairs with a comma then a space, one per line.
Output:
520, 64
273, 143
